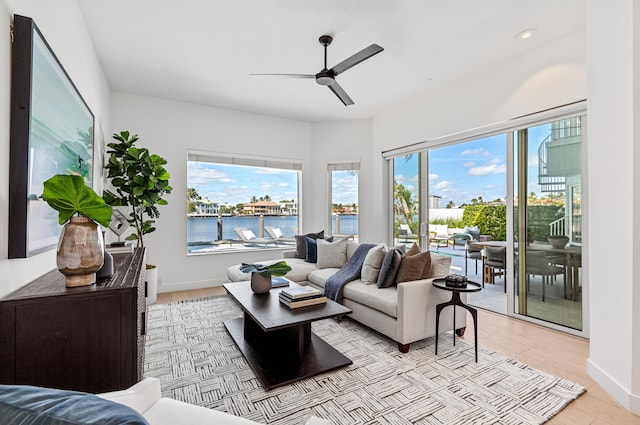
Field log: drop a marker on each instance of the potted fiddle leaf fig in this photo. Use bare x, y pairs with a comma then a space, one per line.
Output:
261, 274
139, 182
81, 247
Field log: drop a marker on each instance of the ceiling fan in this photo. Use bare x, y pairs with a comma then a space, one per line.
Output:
327, 77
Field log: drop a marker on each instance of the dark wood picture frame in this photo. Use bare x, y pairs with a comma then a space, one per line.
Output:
51, 133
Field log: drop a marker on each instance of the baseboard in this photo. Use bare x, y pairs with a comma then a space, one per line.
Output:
628, 400
184, 286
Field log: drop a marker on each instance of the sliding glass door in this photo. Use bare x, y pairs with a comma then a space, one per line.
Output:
548, 218
517, 191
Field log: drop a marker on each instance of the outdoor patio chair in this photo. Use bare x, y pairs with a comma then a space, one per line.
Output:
539, 264
496, 262
277, 234
471, 252
405, 234
440, 235
249, 238
460, 239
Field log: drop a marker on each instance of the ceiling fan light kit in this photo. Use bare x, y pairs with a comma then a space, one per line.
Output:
327, 77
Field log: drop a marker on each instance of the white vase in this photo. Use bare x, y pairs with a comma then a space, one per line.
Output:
151, 278
260, 284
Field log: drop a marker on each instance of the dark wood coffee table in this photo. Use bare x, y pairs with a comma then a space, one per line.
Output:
277, 341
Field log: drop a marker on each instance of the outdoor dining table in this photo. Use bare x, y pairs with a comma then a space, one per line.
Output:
572, 256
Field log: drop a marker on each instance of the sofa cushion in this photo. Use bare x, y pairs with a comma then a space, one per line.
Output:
414, 267
301, 244
319, 277
300, 269
332, 254
390, 266
312, 250
440, 265
372, 263
30, 405
351, 248
384, 300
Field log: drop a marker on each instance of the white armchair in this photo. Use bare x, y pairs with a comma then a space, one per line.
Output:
145, 398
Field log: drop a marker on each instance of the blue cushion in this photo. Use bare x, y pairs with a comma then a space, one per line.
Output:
28, 405
312, 250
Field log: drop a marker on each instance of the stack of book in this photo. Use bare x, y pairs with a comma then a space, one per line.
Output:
301, 296
120, 248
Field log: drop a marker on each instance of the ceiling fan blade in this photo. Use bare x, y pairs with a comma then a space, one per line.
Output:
353, 60
284, 75
342, 95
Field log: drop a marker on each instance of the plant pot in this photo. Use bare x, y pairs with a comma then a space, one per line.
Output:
260, 284
151, 278
558, 242
80, 251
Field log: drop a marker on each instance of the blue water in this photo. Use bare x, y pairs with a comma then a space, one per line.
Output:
206, 229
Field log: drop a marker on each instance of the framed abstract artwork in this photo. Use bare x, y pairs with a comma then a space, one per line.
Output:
51, 133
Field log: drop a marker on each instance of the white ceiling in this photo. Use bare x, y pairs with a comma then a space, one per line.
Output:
202, 51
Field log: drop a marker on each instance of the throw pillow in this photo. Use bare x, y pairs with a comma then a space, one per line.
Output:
414, 267
301, 244
24, 404
372, 263
331, 254
311, 250
390, 266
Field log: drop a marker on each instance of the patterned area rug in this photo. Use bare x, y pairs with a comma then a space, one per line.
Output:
190, 351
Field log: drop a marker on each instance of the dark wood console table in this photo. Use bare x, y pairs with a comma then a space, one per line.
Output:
88, 338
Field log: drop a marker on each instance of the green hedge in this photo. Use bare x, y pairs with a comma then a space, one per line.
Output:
490, 219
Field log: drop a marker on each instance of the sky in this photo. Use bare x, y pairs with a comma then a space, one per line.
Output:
470, 170
236, 184
457, 173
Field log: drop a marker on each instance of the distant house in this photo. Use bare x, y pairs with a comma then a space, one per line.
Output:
262, 208
289, 207
206, 207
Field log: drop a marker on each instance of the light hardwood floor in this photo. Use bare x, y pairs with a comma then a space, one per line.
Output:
553, 352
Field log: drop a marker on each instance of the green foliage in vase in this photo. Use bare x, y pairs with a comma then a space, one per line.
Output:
277, 269
68, 195
140, 181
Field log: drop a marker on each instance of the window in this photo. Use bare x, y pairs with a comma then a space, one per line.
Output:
343, 197
240, 202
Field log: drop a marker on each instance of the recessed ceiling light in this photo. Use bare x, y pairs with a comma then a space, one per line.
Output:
526, 33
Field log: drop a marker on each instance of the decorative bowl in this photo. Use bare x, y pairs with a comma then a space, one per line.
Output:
558, 242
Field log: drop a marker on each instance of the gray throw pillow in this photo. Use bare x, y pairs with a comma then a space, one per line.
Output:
301, 243
372, 263
390, 267
331, 254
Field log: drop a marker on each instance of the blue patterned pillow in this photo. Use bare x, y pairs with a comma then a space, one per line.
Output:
28, 405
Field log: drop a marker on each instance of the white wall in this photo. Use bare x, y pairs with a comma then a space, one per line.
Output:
169, 129
613, 52
63, 27
335, 142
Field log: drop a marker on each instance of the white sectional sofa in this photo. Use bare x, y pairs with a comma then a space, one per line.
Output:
405, 312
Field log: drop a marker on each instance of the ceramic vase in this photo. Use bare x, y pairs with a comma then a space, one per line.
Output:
260, 284
80, 251
106, 270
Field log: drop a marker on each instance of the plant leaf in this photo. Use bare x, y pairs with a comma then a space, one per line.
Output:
69, 195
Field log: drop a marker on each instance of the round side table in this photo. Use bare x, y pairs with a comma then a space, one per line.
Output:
456, 301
